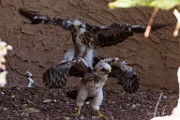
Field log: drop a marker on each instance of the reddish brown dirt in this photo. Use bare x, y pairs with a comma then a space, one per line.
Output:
37, 47
39, 104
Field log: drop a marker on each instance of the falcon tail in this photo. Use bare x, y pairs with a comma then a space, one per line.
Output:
35, 18
130, 84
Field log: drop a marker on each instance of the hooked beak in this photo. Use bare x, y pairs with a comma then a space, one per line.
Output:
107, 71
75, 27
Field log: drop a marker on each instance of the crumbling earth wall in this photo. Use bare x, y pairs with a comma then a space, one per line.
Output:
37, 47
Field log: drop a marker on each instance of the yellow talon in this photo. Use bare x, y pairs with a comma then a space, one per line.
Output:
99, 114
78, 111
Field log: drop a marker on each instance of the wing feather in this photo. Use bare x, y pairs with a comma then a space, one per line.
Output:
111, 35
126, 77
117, 33
102, 36
36, 18
56, 76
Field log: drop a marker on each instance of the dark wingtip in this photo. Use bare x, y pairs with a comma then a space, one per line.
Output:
26, 13
155, 26
159, 26
30, 15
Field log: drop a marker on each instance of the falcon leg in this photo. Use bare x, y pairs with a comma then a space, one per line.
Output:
99, 114
97, 102
82, 95
78, 111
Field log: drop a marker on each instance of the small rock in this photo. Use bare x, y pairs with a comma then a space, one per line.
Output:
82, 117
165, 97
13, 96
27, 111
134, 106
67, 118
2, 93
47, 100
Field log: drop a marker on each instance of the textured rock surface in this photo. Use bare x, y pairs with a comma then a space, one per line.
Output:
37, 47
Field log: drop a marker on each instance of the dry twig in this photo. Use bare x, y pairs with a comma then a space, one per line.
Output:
177, 15
155, 112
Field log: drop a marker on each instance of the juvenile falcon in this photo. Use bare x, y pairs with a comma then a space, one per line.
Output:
105, 35
92, 82
87, 37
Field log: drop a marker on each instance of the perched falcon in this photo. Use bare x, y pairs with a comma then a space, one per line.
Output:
93, 80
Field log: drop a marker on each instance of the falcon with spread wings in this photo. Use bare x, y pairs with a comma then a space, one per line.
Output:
93, 80
104, 35
88, 37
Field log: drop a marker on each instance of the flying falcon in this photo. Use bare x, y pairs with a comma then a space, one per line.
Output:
93, 80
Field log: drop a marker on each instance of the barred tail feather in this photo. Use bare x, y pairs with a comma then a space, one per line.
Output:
130, 84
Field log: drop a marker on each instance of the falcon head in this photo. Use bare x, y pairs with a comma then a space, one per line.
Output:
103, 68
79, 26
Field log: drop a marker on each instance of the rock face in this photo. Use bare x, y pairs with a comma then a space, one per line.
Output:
37, 47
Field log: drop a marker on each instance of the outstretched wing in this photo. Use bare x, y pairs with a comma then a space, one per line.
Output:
126, 76
111, 35
117, 33
36, 18
56, 76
